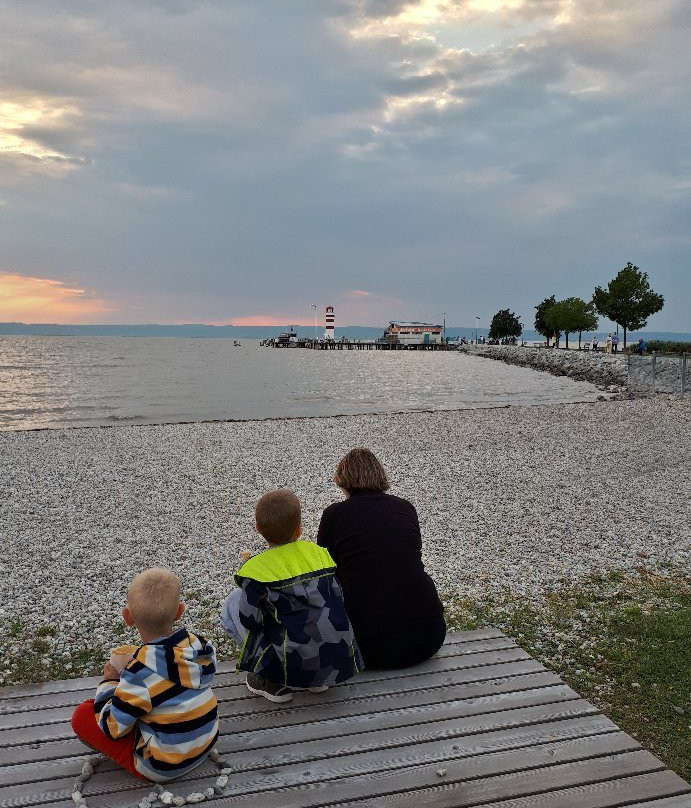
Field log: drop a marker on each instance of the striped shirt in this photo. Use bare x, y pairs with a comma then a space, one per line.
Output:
164, 695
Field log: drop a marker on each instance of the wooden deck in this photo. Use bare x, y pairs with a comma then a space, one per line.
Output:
481, 724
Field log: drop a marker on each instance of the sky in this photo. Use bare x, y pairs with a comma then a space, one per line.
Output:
235, 162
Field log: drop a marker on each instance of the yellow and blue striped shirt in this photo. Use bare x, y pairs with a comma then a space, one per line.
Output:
164, 695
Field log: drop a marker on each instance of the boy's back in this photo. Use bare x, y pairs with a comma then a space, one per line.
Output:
164, 694
298, 632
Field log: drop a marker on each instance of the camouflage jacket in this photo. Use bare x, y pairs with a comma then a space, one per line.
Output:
298, 632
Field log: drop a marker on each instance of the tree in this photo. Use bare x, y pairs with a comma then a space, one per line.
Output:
572, 314
628, 299
541, 325
505, 324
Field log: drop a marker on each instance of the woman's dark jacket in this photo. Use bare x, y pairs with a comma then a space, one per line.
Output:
392, 602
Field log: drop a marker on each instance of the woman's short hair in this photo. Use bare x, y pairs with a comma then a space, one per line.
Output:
360, 469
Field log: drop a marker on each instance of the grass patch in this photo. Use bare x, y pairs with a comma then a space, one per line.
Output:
623, 641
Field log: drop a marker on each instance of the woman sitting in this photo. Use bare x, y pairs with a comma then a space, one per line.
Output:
374, 538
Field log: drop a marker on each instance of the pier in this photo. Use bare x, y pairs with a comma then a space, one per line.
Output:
356, 345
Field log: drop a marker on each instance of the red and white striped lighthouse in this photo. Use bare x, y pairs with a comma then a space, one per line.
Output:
329, 323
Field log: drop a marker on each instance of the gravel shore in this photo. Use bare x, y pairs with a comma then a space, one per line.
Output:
511, 500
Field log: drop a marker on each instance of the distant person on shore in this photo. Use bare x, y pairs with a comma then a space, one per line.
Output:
288, 616
374, 537
157, 717
608, 344
594, 344
641, 348
615, 342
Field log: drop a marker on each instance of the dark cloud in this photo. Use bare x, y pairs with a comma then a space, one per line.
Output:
193, 160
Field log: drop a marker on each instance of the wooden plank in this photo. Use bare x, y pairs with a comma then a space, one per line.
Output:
89, 683
330, 742
611, 794
23, 712
678, 801
479, 781
436, 718
41, 733
64, 745
64, 698
369, 697
413, 714
551, 686
327, 782
481, 655
423, 684
249, 760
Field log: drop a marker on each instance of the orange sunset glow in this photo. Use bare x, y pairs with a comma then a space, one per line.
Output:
41, 300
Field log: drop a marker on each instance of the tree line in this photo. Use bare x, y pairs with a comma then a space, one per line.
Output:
628, 301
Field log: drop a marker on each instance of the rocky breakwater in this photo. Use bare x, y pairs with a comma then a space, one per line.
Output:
609, 371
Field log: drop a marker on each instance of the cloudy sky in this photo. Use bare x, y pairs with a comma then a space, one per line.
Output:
234, 161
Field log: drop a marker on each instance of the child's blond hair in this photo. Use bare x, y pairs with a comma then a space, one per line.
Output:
153, 599
278, 516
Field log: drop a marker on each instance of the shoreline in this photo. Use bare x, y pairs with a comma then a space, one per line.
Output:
612, 396
512, 501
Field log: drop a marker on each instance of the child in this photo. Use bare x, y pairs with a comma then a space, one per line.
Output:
288, 616
158, 717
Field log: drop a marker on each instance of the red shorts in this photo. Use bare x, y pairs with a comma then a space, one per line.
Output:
87, 730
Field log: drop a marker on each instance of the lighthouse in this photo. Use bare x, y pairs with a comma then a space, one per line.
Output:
329, 323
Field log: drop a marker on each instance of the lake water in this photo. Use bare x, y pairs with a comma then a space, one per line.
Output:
94, 381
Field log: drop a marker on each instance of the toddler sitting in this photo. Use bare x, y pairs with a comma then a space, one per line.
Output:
157, 718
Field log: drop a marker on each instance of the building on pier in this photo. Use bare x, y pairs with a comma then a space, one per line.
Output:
412, 333
329, 323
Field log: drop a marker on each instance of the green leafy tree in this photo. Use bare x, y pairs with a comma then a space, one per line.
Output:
541, 325
505, 324
571, 315
628, 299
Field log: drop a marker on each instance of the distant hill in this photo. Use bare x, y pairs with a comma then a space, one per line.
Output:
200, 330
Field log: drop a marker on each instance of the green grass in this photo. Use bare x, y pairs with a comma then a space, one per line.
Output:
621, 641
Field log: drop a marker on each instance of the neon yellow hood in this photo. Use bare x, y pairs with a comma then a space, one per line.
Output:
298, 558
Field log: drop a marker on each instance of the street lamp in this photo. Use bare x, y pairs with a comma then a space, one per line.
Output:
476, 327
444, 328
314, 306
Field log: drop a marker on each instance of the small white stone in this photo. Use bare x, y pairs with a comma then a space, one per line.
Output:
441, 772
77, 796
166, 797
214, 754
87, 769
179, 800
222, 781
209, 792
194, 797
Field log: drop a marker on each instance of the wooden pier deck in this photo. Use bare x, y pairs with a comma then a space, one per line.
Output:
358, 345
480, 724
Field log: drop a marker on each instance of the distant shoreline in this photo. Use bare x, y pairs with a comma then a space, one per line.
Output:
200, 330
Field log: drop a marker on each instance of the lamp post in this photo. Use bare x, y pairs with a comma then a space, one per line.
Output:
444, 328
477, 323
314, 306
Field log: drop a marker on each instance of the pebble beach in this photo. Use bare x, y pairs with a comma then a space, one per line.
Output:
512, 501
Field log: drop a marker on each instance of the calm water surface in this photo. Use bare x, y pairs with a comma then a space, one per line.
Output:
94, 381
